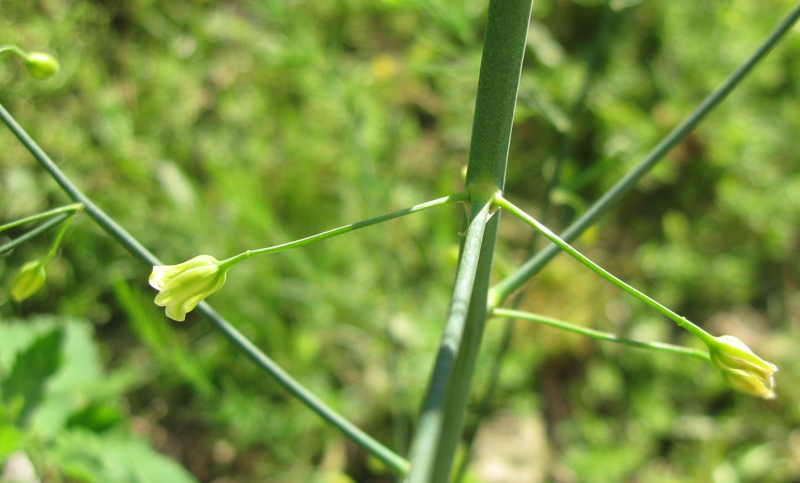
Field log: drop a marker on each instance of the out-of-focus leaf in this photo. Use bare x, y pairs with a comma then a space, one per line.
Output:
77, 393
114, 457
31, 371
10, 439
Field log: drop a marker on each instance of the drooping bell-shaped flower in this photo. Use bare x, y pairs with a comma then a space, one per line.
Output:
183, 286
29, 280
741, 369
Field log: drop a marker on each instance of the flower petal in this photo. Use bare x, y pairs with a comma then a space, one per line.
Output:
183, 286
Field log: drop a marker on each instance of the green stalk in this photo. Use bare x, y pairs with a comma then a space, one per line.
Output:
460, 197
564, 124
34, 232
681, 321
427, 446
442, 418
39, 216
13, 49
659, 346
135, 248
58, 239
514, 282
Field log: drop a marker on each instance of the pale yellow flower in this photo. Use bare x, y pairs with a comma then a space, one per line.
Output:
183, 286
741, 369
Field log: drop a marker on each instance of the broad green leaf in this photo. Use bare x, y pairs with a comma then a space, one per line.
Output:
114, 457
31, 370
10, 439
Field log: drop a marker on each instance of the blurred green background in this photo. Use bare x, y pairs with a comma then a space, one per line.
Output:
216, 127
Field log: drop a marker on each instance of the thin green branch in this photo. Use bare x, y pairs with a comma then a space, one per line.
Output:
39, 216
14, 49
513, 209
391, 459
34, 232
681, 321
511, 284
101, 218
659, 346
292, 386
58, 239
459, 197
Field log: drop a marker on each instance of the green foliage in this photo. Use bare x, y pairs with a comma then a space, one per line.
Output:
85, 455
214, 127
24, 384
60, 407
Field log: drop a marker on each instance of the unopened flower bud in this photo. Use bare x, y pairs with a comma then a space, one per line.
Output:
41, 65
183, 286
741, 369
29, 280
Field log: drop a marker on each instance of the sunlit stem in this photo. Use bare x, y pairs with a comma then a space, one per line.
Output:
681, 321
460, 197
659, 346
13, 49
75, 207
60, 236
31, 234
429, 448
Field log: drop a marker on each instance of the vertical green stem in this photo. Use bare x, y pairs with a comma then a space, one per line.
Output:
459, 392
427, 446
501, 66
565, 129
442, 417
